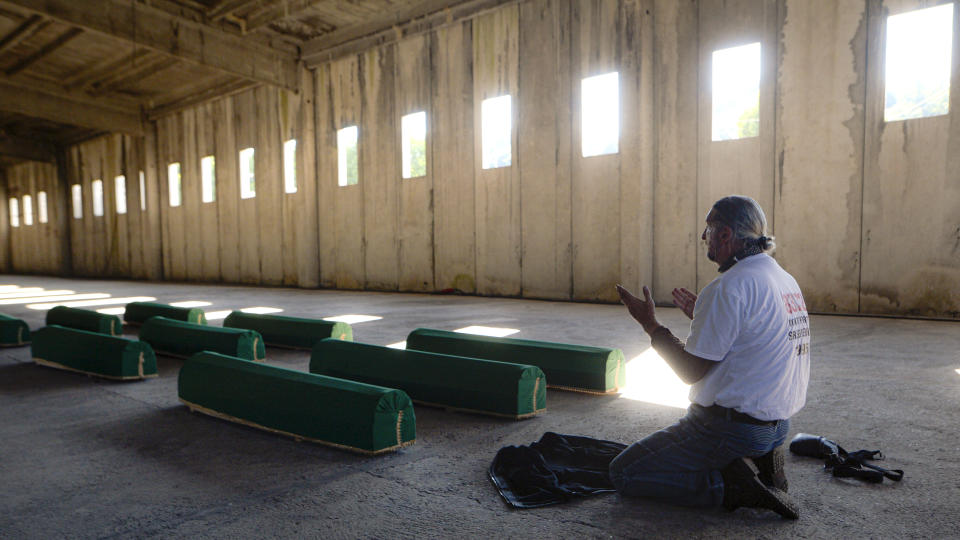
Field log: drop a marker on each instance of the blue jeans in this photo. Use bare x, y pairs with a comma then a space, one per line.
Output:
681, 464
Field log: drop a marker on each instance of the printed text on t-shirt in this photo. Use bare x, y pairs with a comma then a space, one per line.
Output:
793, 302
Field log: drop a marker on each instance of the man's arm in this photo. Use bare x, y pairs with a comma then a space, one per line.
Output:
688, 367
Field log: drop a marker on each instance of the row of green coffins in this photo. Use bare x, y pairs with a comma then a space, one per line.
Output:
509, 388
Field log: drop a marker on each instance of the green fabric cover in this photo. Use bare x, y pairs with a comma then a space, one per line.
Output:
498, 388
93, 353
85, 319
139, 312
289, 331
13, 331
181, 338
574, 367
342, 413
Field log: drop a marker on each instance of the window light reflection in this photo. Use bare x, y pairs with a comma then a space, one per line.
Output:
403, 345
112, 310
217, 315
191, 303
651, 380
352, 319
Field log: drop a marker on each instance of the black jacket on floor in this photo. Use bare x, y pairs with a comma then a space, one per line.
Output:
554, 469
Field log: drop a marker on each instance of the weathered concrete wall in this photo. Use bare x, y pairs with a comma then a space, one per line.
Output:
866, 213
36, 247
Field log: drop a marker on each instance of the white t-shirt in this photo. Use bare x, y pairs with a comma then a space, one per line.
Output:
753, 322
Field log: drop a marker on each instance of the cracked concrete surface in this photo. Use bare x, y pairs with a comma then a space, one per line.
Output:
87, 458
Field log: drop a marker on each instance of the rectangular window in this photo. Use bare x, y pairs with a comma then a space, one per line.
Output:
96, 192
248, 181
14, 212
27, 210
290, 166
208, 179
495, 130
736, 92
120, 189
173, 181
600, 115
347, 161
77, 193
917, 78
413, 144
42, 206
143, 192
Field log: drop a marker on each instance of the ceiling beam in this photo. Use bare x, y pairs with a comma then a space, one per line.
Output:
277, 12
29, 149
390, 27
104, 68
26, 29
226, 8
156, 29
196, 98
145, 69
67, 109
44, 51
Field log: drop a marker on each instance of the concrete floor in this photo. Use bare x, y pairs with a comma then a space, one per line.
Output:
82, 457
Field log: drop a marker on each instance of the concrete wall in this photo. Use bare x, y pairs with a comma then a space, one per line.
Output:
866, 213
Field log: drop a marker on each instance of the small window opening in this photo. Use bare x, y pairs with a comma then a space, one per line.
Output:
600, 115
173, 181
96, 190
413, 144
495, 131
14, 212
208, 179
42, 206
27, 210
120, 188
347, 161
736, 92
76, 193
248, 181
290, 166
143, 192
919, 46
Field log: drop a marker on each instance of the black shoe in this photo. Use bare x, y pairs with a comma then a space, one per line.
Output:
742, 487
771, 469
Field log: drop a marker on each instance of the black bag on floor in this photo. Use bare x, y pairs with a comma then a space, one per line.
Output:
844, 464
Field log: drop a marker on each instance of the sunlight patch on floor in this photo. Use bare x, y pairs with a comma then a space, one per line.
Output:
493, 331
191, 303
112, 310
217, 315
650, 379
352, 319
67, 297
261, 310
89, 303
30, 292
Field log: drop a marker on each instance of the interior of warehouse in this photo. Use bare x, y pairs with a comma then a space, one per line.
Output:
457, 164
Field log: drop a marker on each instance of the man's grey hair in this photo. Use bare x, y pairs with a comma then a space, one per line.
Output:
747, 220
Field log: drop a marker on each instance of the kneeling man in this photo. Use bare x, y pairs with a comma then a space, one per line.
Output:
748, 360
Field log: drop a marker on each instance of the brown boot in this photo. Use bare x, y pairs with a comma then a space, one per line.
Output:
771, 469
742, 487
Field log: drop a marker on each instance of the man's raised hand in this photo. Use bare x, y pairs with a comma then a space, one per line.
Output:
643, 311
685, 300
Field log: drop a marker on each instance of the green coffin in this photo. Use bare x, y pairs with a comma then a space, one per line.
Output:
289, 331
13, 331
93, 353
346, 414
85, 319
484, 386
179, 338
139, 312
568, 367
